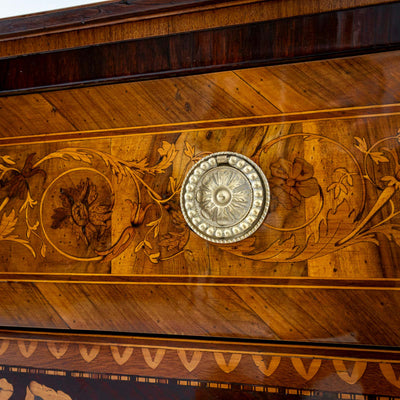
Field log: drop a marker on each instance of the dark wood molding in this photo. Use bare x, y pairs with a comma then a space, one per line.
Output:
226, 345
239, 368
319, 36
102, 13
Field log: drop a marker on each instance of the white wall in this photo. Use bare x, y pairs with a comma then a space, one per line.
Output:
10, 8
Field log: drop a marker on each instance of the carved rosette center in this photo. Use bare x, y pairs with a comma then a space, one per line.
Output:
225, 197
222, 196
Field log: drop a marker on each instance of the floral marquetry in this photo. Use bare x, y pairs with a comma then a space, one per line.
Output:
231, 230
292, 181
143, 209
76, 211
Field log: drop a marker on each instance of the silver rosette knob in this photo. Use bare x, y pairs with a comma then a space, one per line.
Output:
225, 197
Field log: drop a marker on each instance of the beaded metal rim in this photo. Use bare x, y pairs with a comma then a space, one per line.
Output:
220, 187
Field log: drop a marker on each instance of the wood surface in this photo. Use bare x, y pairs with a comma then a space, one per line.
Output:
112, 205
336, 243
93, 240
116, 21
102, 13
249, 367
340, 88
325, 35
277, 312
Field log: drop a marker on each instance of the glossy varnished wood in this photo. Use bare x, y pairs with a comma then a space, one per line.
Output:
257, 312
310, 91
50, 31
237, 300
201, 126
101, 13
309, 302
318, 36
143, 232
199, 280
253, 366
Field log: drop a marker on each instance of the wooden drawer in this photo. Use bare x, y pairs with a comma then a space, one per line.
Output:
93, 237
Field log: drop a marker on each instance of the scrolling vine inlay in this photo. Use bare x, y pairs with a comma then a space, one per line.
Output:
68, 200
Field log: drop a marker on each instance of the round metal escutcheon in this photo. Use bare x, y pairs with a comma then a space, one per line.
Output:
225, 197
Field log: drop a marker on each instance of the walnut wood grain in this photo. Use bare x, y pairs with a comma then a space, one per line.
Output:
328, 35
346, 113
198, 280
315, 315
102, 13
322, 273
117, 21
360, 307
339, 88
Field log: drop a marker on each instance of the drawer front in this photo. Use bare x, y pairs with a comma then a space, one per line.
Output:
93, 236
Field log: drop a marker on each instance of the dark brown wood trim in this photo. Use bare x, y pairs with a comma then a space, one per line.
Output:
285, 349
319, 36
102, 13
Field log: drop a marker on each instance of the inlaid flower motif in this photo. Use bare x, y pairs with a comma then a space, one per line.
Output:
292, 181
393, 180
225, 196
128, 234
37, 391
6, 389
16, 182
81, 210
